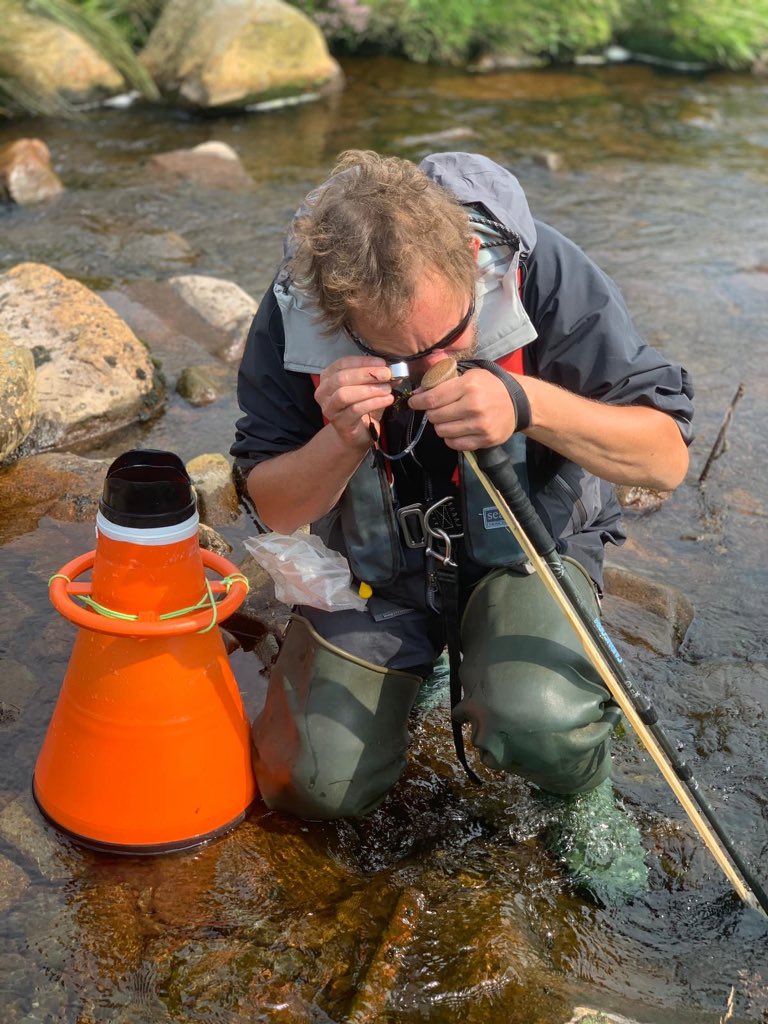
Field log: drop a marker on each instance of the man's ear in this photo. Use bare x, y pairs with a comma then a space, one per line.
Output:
474, 245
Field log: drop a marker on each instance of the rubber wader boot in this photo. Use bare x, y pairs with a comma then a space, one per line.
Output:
597, 840
536, 705
332, 737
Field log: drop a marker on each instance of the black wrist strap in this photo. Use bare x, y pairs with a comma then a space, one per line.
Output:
520, 402
515, 390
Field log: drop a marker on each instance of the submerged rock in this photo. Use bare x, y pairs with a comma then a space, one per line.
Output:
645, 613
63, 486
13, 882
197, 385
175, 332
206, 167
93, 374
231, 53
22, 827
26, 175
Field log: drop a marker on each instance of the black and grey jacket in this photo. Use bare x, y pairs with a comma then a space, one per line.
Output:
568, 317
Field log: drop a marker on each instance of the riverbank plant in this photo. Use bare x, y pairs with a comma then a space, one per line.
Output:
721, 33
453, 31
715, 33
726, 33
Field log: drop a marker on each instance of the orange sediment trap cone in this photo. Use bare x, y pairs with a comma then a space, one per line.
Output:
148, 749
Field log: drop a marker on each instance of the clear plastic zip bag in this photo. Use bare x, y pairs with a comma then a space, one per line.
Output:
305, 571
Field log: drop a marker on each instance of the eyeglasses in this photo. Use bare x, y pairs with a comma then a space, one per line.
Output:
390, 357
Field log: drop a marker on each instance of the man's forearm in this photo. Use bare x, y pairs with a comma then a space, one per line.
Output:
626, 444
299, 487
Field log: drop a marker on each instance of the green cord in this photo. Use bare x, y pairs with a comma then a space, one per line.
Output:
209, 599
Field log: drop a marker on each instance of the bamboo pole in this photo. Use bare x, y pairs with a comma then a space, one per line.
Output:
615, 689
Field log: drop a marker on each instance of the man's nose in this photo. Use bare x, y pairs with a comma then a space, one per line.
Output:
428, 361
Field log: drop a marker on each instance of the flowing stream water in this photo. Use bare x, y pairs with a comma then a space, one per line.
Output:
445, 903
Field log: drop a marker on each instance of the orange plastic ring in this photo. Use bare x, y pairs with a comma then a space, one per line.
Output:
61, 594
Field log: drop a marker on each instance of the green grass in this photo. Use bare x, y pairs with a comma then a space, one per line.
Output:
719, 33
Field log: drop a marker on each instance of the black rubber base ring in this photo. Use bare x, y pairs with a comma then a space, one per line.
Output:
139, 850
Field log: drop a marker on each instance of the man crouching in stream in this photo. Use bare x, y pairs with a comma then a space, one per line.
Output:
390, 263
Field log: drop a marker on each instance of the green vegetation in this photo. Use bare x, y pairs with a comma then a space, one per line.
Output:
454, 31
718, 33
729, 33
723, 33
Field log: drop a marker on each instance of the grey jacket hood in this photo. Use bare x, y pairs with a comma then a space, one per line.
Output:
473, 178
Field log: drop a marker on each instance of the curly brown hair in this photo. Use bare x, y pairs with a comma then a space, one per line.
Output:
371, 232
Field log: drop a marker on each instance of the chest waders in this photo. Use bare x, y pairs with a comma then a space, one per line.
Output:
511, 694
441, 530
324, 744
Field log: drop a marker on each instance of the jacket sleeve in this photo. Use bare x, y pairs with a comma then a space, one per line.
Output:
587, 342
279, 409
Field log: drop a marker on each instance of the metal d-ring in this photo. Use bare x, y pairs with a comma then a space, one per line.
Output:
446, 559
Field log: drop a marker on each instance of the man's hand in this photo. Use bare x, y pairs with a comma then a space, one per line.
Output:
353, 391
468, 412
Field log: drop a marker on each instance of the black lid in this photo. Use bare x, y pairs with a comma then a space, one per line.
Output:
146, 488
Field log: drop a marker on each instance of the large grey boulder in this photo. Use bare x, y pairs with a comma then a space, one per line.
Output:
93, 374
223, 304
18, 395
49, 60
220, 53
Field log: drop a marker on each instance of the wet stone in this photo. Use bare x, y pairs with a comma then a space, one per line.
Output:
22, 827
197, 386
645, 613
223, 304
63, 486
585, 1015
110, 927
26, 175
553, 161
13, 882
217, 500
206, 169
641, 499
175, 333
210, 540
